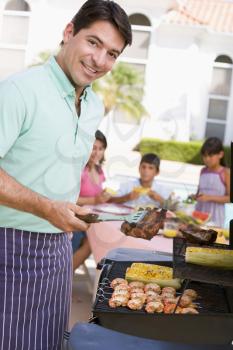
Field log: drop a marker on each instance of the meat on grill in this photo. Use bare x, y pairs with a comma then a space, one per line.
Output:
148, 226
195, 234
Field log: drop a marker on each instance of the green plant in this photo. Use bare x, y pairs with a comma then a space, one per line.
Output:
42, 57
187, 152
122, 89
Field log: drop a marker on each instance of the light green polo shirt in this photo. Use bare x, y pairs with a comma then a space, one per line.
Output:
44, 145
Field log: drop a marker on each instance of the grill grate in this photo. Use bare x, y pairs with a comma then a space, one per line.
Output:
212, 298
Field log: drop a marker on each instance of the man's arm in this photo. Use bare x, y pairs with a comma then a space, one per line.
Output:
58, 213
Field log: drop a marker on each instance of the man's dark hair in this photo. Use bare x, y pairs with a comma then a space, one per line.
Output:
103, 10
151, 158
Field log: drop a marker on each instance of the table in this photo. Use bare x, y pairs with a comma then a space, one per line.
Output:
105, 236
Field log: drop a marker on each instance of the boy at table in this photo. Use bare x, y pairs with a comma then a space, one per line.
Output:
143, 191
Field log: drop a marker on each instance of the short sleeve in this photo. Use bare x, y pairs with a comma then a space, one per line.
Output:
125, 188
162, 190
12, 115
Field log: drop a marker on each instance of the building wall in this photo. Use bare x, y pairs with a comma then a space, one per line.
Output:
178, 66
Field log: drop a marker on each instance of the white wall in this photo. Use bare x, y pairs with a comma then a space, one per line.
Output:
179, 65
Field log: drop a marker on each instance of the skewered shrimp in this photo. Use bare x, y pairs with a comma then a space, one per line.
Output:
169, 290
191, 293
121, 287
153, 297
135, 304
154, 306
184, 301
122, 292
151, 292
136, 290
172, 300
169, 308
167, 296
136, 284
141, 296
152, 286
189, 310
118, 300
118, 281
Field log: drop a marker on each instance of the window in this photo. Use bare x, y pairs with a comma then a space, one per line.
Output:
219, 95
141, 28
17, 5
136, 55
15, 23
139, 20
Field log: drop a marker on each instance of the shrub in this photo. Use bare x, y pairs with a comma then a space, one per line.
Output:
187, 152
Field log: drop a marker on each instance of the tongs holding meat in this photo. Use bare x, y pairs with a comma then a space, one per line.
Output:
131, 218
148, 226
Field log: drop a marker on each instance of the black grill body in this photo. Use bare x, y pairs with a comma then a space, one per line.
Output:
213, 324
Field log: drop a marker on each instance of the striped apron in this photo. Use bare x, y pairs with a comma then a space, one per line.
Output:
35, 289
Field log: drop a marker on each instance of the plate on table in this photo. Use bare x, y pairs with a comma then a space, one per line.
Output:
113, 209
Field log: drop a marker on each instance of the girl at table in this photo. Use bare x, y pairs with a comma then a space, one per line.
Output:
91, 193
214, 183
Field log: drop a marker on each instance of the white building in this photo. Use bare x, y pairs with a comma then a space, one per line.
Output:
184, 49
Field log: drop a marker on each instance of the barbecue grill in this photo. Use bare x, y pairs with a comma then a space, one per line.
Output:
231, 195
213, 324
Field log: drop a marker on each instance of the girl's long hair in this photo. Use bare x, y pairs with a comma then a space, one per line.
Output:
211, 146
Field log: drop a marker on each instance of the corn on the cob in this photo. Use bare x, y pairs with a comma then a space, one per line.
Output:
146, 273
162, 271
212, 257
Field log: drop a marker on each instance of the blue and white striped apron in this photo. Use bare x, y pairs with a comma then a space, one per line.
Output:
35, 289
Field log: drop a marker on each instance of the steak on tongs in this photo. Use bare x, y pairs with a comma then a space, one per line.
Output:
148, 226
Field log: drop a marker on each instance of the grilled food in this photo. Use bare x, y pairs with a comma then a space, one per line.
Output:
141, 190
118, 281
154, 306
152, 300
191, 293
148, 226
135, 304
152, 286
195, 234
150, 273
211, 257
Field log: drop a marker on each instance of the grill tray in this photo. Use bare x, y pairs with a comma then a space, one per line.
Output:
213, 325
195, 272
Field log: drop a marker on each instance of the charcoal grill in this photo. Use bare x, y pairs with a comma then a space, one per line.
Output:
213, 324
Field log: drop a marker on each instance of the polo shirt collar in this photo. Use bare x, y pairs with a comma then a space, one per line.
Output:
62, 82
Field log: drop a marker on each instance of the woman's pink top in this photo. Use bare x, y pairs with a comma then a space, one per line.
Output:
88, 188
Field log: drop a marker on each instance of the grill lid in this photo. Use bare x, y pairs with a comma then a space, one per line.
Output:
183, 270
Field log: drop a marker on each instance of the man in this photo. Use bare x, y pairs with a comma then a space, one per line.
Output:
48, 118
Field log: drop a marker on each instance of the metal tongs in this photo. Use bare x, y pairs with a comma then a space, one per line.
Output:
130, 218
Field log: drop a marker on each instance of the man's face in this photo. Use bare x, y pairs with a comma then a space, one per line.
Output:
147, 171
90, 53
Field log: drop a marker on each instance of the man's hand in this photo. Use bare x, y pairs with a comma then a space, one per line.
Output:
62, 215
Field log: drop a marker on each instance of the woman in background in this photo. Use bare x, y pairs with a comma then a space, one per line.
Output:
91, 193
